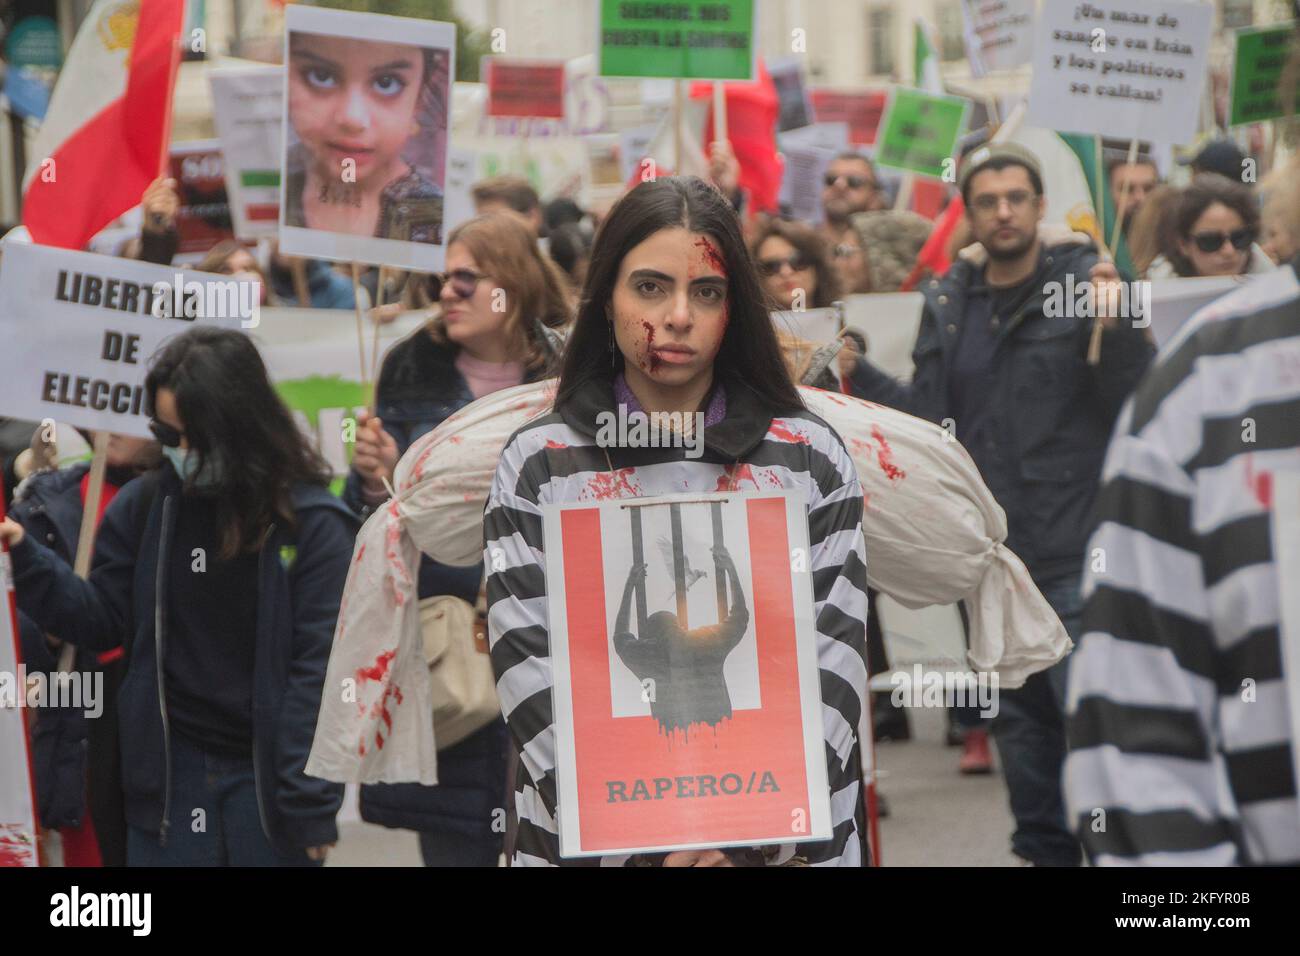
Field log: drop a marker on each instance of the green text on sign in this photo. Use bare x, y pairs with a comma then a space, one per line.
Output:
1257, 73
920, 131
691, 39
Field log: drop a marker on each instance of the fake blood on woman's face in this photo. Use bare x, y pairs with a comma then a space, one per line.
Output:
654, 360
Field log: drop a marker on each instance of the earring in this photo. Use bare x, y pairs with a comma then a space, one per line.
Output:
611, 345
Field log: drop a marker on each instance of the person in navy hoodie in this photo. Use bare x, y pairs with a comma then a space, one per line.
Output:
221, 574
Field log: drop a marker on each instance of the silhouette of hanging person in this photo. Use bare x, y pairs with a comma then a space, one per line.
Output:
684, 665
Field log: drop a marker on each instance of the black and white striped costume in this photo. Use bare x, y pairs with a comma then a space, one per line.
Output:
1172, 762
532, 474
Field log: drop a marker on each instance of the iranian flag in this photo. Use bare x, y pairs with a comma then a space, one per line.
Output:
105, 136
925, 61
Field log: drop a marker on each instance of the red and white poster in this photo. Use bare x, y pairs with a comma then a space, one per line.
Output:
17, 799
861, 109
204, 216
687, 697
524, 87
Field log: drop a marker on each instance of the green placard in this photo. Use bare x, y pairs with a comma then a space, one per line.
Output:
34, 41
691, 39
1257, 71
920, 131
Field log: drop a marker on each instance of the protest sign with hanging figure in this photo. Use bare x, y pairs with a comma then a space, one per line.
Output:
708, 695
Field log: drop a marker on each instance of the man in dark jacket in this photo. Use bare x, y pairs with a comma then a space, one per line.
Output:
1001, 362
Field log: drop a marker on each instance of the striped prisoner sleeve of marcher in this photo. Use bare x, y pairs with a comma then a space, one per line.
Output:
838, 565
513, 556
1178, 720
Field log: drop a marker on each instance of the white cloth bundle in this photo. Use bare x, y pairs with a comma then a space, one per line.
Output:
933, 536
376, 715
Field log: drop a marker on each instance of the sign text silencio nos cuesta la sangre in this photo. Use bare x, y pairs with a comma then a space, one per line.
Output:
183, 300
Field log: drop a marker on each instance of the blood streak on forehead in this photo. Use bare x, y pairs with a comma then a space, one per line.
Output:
709, 253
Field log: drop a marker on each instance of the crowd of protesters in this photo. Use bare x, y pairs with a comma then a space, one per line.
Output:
215, 679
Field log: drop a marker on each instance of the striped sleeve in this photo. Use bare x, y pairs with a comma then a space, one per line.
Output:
837, 560
1145, 779
519, 646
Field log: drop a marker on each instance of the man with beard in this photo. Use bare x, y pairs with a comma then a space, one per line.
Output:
1006, 373
850, 187
1130, 184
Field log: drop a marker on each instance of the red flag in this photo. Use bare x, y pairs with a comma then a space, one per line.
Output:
933, 257
751, 128
105, 136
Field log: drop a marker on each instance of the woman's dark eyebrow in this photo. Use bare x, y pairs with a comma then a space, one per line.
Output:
655, 274
333, 64
395, 65
650, 274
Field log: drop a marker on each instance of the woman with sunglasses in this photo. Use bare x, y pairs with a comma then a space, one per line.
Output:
496, 301
1215, 228
793, 266
673, 320
221, 574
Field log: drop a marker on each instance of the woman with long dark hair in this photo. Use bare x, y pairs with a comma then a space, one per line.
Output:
794, 267
220, 573
673, 320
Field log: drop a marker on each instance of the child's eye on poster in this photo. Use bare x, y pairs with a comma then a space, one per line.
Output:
367, 104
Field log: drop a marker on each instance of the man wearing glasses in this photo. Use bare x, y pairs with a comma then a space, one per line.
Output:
849, 187
1008, 377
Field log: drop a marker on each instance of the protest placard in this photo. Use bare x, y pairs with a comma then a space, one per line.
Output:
248, 112
1132, 69
79, 329
808, 151
311, 357
690, 39
690, 717
1174, 301
999, 34
1261, 54
811, 325
367, 105
919, 133
203, 219
861, 110
889, 321
794, 108
17, 794
524, 87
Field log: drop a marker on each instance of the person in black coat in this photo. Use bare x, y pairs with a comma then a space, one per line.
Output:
221, 574
76, 759
1030, 384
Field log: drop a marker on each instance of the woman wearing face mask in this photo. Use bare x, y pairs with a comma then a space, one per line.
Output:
221, 574
496, 301
673, 320
1214, 232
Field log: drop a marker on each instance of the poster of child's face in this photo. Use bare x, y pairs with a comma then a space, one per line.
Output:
367, 103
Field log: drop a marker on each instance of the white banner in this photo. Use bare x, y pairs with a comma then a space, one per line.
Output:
999, 34
248, 112
313, 359
1126, 69
79, 330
